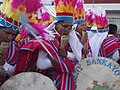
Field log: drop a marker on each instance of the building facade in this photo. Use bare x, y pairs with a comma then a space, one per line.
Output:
112, 8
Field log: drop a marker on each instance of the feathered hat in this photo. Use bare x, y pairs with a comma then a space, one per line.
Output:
64, 9
44, 17
101, 20
11, 12
79, 14
89, 18
101, 26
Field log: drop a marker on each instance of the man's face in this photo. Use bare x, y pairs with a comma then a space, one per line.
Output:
64, 28
7, 35
81, 27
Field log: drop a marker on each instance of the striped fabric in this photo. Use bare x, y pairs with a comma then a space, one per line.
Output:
87, 46
27, 62
12, 51
108, 47
64, 79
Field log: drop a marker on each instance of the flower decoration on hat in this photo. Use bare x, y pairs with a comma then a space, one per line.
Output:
79, 14
65, 9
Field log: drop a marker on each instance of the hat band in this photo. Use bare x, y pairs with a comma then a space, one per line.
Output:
10, 20
103, 30
64, 18
88, 29
7, 24
78, 21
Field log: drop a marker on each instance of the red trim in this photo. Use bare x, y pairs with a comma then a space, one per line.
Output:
64, 14
10, 19
102, 1
102, 28
79, 17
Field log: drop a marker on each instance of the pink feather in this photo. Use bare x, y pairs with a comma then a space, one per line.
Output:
39, 29
73, 2
16, 3
101, 21
64, 2
45, 16
89, 16
79, 5
31, 5
23, 32
56, 2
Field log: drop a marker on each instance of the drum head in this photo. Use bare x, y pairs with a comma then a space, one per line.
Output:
97, 74
28, 81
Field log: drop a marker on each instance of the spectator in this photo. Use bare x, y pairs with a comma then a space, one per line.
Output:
110, 47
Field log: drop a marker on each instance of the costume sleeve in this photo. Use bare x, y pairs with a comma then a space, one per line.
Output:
11, 53
116, 56
70, 55
9, 68
43, 62
23, 61
75, 45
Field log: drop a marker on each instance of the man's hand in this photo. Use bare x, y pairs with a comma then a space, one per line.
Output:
84, 38
63, 52
53, 60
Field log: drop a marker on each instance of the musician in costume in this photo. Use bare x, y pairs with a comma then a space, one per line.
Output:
80, 26
13, 50
101, 26
9, 29
24, 35
97, 43
42, 53
10, 23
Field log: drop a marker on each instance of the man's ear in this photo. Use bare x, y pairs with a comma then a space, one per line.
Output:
56, 25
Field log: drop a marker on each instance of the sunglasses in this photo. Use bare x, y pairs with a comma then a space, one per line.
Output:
67, 26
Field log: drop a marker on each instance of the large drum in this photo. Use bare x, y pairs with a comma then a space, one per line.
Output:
97, 74
28, 81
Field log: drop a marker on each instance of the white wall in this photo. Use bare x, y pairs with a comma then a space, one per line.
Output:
46, 1
113, 14
114, 17
115, 6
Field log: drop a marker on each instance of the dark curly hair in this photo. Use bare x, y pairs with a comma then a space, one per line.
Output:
112, 29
